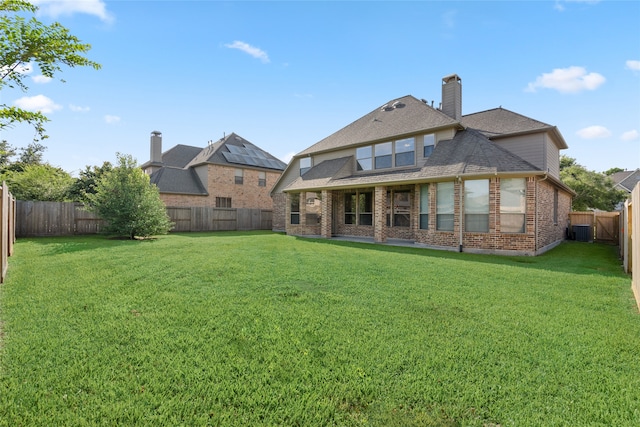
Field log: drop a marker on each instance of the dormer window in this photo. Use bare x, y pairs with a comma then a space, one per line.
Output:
305, 165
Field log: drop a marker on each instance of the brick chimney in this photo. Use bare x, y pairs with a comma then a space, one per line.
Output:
452, 96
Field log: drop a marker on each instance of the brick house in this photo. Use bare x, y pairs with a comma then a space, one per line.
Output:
484, 182
229, 173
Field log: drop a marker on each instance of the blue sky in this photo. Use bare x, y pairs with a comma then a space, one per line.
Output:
284, 75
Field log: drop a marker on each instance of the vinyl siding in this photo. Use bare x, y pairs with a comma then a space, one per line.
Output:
532, 148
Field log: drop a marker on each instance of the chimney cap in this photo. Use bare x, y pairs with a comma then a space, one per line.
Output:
156, 133
450, 78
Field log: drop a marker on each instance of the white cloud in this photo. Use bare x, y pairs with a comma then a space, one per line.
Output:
109, 119
567, 80
633, 65
559, 5
78, 109
37, 103
594, 132
631, 135
251, 50
56, 8
41, 79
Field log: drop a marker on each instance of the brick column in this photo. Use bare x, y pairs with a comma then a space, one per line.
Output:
287, 212
326, 211
303, 209
380, 215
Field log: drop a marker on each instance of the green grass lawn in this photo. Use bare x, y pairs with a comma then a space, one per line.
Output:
260, 328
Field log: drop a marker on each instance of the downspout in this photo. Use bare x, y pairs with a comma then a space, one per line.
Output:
460, 221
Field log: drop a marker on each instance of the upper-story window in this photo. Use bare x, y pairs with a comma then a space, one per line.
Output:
386, 155
305, 165
239, 176
262, 179
429, 143
383, 155
363, 157
405, 152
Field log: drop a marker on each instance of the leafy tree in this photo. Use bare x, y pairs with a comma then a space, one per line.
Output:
41, 182
86, 183
611, 171
6, 153
26, 41
594, 190
128, 202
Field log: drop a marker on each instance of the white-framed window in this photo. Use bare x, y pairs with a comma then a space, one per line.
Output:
239, 176
424, 207
262, 179
405, 152
476, 206
386, 155
428, 145
445, 205
305, 165
513, 205
383, 155
364, 158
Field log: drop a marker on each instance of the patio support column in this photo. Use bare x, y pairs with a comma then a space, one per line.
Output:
287, 213
326, 210
380, 215
303, 209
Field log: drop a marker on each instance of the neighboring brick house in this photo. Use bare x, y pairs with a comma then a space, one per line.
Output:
484, 182
229, 173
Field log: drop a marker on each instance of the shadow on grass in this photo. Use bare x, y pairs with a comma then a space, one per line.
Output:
568, 257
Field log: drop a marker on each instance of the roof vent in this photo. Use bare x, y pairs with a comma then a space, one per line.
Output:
386, 107
398, 104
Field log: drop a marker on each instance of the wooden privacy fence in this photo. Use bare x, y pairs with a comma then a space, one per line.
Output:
630, 240
36, 219
599, 226
7, 228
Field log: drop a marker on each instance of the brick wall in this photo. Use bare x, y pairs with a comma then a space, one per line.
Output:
538, 219
221, 183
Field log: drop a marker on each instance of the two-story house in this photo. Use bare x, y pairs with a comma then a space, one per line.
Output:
229, 173
482, 182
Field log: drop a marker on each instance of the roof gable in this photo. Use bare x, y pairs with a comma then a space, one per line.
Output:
500, 121
403, 116
471, 153
178, 180
235, 150
626, 180
180, 155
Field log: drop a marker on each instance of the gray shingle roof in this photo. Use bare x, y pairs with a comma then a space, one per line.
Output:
626, 180
402, 116
500, 121
180, 155
235, 150
178, 180
469, 153
177, 174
